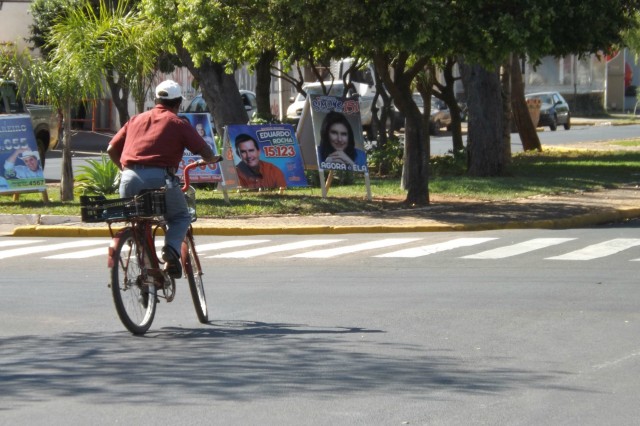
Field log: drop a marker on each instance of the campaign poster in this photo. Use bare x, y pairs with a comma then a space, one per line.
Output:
211, 172
306, 139
20, 165
266, 156
227, 164
338, 133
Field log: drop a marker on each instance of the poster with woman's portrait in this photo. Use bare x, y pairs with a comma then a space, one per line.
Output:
338, 133
211, 172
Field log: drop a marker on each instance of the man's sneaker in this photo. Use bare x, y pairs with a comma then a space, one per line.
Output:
172, 262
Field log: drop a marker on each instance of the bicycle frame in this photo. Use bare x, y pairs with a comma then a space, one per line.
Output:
143, 229
184, 255
137, 273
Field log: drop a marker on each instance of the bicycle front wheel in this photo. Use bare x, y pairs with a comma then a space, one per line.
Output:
194, 276
133, 295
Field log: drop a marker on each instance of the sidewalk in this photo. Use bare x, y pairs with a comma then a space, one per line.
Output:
548, 212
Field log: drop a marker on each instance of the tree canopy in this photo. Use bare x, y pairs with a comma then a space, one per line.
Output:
82, 43
402, 39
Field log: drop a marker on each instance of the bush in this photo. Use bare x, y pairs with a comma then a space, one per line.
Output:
387, 159
98, 177
452, 164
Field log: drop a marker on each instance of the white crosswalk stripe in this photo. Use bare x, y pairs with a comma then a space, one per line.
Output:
517, 249
84, 254
603, 249
227, 244
158, 243
306, 248
274, 249
13, 243
436, 248
324, 254
5, 254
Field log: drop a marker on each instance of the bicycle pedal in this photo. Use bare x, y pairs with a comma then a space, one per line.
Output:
174, 271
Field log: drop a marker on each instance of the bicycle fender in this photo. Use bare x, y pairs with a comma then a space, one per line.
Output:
112, 247
184, 256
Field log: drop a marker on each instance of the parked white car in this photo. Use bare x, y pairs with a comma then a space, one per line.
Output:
365, 94
198, 104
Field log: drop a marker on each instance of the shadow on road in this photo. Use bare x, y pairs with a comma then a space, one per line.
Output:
238, 360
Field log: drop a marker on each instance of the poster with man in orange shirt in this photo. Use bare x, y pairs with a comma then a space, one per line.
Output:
267, 156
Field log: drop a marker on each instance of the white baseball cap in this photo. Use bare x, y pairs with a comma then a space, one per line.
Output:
168, 89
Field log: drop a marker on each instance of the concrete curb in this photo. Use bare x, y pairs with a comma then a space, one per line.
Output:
588, 219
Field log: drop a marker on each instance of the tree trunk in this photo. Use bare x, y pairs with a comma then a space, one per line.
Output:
66, 175
484, 141
505, 80
416, 165
383, 122
521, 116
263, 84
416, 148
448, 96
120, 98
219, 90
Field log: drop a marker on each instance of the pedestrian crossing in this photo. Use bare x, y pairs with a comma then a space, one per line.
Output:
327, 248
436, 248
371, 245
516, 249
605, 248
27, 250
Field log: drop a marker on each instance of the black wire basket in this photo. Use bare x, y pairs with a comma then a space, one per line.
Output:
96, 208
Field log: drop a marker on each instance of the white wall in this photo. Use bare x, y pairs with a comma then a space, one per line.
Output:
15, 19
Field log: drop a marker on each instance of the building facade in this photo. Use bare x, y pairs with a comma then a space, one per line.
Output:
608, 80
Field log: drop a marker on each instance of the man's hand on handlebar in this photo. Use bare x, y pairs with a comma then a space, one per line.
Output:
185, 175
207, 156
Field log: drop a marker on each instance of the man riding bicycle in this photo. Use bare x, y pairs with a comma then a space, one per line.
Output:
148, 150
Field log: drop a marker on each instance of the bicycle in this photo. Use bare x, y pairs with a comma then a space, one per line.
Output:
138, 279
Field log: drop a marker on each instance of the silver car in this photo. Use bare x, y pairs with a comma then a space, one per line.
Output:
440, 115
554, 110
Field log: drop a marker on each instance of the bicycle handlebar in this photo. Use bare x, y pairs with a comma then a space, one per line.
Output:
190, 166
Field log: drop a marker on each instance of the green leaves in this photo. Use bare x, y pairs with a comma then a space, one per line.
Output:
98, 177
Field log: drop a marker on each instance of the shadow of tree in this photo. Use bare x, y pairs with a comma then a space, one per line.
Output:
236, 360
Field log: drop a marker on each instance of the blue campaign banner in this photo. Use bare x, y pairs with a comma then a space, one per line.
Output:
20, 165
267, 156
211, 172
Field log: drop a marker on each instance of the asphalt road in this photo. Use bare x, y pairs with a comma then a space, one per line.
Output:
457, 336
579, 133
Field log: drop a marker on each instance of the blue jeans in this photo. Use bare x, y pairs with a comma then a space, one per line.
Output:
177, 215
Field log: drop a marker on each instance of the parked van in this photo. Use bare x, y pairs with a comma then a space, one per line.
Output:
44, 119
362, 85
364, 92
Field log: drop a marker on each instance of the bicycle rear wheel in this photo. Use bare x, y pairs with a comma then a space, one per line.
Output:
194, 276
133, 295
